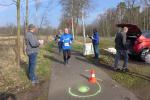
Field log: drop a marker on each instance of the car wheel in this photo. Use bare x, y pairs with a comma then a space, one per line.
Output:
147, 58
145, 55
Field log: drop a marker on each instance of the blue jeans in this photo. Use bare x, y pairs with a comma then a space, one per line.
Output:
96, 50
125, 58
32, 66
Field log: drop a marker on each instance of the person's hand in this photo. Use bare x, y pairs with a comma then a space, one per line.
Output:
41, 42
70, 42
90, 37
87, 36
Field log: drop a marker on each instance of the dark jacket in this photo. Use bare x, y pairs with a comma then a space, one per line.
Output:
119, 43
57, 37
95, 38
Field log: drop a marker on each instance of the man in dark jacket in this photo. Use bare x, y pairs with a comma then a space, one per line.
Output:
95, 41
120, 45
57, 39
32, 49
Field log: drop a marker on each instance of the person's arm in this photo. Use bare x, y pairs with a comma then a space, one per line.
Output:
33, 41
61, 38
95, 37
55, 38
71, 37
124, 40
90, 37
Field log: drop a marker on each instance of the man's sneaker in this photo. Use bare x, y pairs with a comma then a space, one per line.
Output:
35, 82
65, 62
95, 57
125, 70
116, 69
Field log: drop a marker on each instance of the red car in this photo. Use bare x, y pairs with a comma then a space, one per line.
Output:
138, 42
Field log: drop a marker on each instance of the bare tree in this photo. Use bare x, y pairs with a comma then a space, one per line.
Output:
146, 13
18, 31
17, 3
121, 10
147, 2
27, 11
126, 12
72, 9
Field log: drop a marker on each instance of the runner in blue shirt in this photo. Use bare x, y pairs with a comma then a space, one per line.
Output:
66, 40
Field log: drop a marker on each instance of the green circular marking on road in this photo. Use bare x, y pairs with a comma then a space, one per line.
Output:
85, 96
83, 89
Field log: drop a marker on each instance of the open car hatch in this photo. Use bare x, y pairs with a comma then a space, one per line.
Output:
133, 29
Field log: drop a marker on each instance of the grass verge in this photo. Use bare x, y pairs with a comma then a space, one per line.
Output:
15, 79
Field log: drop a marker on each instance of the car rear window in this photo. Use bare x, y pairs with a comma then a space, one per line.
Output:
146, 34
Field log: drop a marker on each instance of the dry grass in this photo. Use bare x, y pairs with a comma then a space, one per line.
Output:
12, 78
9, 72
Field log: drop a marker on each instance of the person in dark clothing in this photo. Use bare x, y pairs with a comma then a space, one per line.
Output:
95, 41
32, 49
121, 48
66, 40
57, 39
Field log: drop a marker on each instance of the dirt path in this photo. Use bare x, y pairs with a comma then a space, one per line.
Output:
70, 82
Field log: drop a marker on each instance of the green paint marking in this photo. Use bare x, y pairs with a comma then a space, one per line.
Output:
83, 89
85, 96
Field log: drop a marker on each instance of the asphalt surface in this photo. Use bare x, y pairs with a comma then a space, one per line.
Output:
66, 80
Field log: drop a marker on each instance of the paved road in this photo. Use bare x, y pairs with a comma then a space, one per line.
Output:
75, 75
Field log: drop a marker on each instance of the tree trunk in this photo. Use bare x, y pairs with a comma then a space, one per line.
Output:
76, 26
27, 15
26, 26
83, 26
147, 19
72, 20
72, 23
18, 32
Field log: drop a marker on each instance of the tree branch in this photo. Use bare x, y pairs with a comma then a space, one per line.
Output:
7, 4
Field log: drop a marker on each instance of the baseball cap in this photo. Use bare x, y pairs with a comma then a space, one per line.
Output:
31, 26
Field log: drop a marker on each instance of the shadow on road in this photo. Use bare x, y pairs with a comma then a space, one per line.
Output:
53, 59
95, 62
76, 53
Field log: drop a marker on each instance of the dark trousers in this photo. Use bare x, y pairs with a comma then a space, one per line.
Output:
60, 46
66, 54
32, 65
125, 58
96, 50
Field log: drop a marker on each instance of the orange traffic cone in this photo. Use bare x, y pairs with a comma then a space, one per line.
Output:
92, 79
